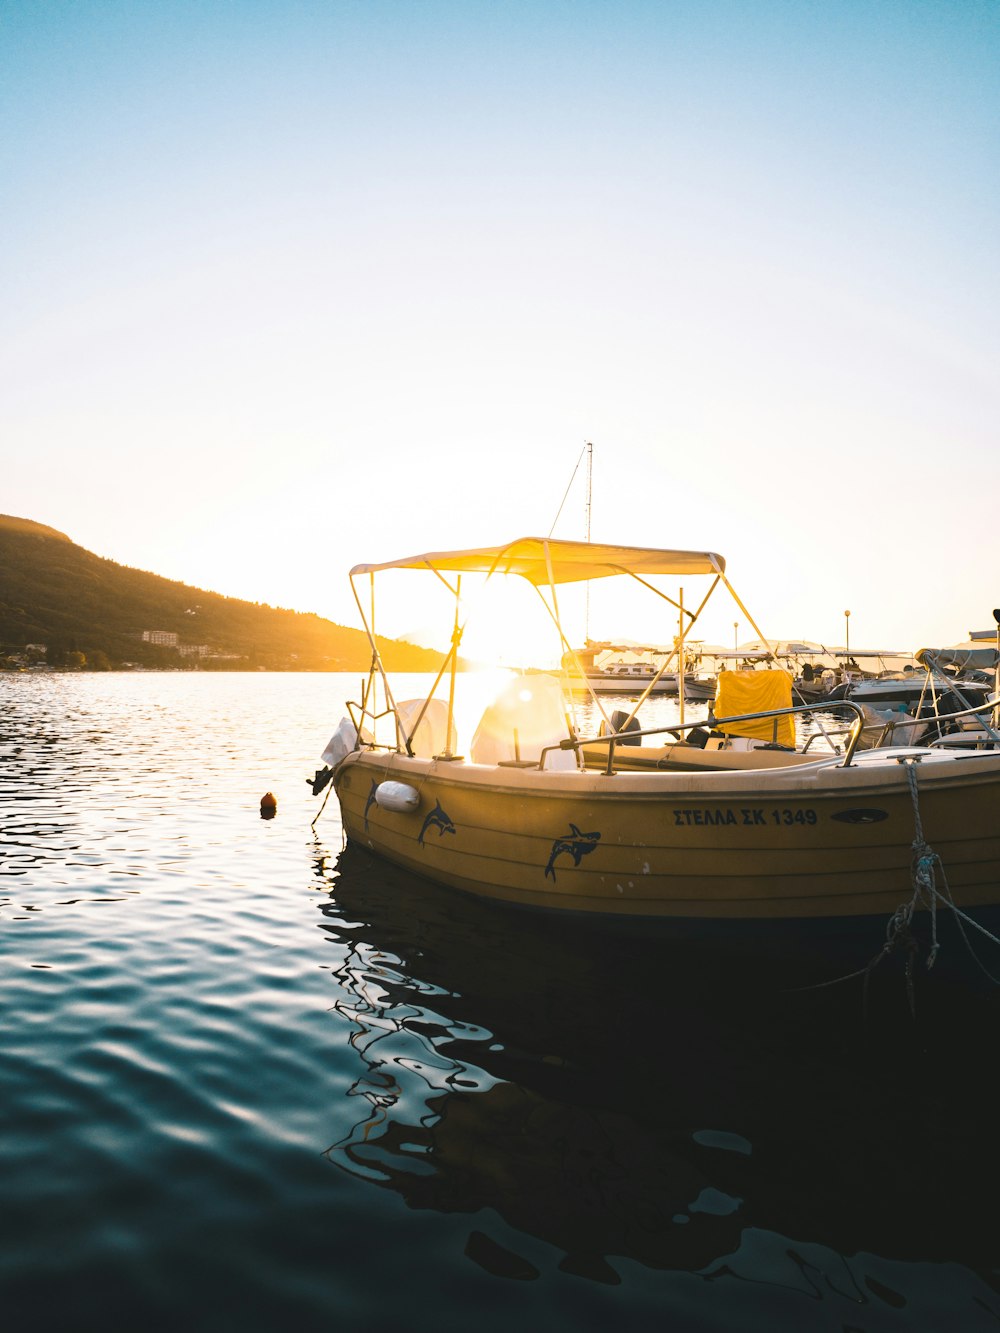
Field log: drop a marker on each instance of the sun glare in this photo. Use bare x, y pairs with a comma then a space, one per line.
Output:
509, 627
504, 622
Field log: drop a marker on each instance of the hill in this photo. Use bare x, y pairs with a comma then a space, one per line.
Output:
56, 593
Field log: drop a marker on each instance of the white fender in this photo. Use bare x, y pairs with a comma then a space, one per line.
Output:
399, 796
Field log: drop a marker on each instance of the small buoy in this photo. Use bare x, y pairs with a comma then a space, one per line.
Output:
268, 805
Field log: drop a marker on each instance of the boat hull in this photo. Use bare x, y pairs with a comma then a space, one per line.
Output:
813, 841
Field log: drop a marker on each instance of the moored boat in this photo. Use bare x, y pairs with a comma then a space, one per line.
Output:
745, 825
626, 670
620, 677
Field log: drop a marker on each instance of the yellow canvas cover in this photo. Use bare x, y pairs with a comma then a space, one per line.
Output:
545, 560
754, 692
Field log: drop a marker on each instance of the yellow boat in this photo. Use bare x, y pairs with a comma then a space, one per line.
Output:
746, 826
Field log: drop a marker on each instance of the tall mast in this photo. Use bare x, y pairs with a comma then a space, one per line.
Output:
588, 449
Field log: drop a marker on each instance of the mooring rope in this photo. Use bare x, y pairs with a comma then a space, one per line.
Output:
922, 868
925, 865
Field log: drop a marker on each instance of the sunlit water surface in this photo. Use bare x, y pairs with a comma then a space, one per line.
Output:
249, 1083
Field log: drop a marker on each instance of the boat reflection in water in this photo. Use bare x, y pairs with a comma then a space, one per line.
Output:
632, 1100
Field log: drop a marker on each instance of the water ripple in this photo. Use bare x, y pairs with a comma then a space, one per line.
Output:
249, 1081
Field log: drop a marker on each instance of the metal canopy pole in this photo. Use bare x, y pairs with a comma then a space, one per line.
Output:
456, 639
680, 656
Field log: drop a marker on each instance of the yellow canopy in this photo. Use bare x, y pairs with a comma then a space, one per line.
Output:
543, 560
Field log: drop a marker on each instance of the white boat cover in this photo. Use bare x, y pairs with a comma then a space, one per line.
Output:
543, 560
527, 716
345, 740
432, 736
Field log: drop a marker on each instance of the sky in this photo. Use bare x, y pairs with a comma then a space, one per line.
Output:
292, 286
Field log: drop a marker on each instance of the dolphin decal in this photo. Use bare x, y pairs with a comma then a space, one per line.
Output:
577, 844
439, 820
371, 801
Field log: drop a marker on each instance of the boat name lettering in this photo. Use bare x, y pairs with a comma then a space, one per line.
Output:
744, 816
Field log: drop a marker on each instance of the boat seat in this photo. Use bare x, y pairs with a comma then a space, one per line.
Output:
682, 758
526, 717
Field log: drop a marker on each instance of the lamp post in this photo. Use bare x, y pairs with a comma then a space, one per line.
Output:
736, 636
847, 633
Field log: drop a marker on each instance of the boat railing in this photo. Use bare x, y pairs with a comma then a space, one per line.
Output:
938, 719
613, 739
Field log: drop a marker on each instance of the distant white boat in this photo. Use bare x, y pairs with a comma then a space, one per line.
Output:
623, 678
606, 674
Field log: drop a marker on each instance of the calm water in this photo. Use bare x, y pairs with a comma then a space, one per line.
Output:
248, 1082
